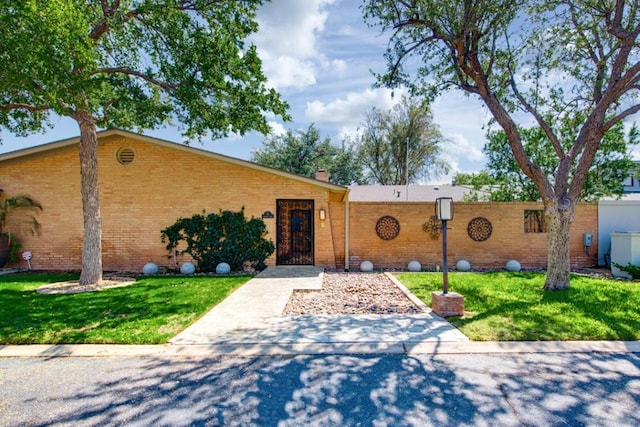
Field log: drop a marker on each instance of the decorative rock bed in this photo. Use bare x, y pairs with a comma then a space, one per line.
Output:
352, 293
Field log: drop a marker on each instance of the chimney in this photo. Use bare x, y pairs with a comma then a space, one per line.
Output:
322, 175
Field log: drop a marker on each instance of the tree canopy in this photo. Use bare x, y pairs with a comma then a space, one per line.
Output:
130, 64
504, 181
134, 64
538, 60
305, 152
402, 145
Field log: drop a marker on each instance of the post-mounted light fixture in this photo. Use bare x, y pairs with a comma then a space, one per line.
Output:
444, 208
444, 212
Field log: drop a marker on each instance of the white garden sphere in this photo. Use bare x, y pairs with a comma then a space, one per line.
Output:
366, 266
223, 268
463, 265
414, 266
513, 265
187, 268
149, 269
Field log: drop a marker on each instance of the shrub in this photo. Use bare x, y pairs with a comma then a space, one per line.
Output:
633, 270
223, 237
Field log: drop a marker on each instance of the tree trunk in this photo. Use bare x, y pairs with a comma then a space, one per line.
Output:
92, 238
558, 260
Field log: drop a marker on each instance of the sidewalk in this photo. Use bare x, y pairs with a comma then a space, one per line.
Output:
251, 319
250, 322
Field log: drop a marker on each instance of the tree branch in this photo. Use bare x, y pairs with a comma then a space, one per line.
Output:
29, 107
557, 147
621, 116
118, 70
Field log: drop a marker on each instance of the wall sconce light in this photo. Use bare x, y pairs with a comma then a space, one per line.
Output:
323, 214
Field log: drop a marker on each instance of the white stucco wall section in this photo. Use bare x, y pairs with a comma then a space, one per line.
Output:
615, 216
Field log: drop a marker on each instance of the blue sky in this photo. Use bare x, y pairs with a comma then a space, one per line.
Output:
318, 54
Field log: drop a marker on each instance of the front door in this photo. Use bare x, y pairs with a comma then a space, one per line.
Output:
295, 232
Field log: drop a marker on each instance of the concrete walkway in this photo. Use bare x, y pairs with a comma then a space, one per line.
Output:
251, 319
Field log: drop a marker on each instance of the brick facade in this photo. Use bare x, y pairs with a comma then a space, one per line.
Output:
166, 181
507, 241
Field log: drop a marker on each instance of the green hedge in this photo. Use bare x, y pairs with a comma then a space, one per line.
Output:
224, 237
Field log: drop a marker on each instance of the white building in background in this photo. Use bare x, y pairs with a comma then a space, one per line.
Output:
632, 184
408, 193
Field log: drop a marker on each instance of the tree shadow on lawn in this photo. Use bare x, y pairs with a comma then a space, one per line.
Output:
143, 313
346, 390
571, 314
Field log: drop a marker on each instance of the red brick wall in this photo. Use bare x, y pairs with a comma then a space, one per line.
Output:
507, 241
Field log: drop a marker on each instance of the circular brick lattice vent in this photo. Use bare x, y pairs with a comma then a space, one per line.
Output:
479, 229
387, 228
125, 156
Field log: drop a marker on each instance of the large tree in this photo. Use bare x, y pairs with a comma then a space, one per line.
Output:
536, 58
130, 64
401, 145
504, 181
305, 152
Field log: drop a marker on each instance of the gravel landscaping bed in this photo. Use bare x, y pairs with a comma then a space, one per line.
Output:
351, 293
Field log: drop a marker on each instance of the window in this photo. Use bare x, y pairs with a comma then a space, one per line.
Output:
534, 221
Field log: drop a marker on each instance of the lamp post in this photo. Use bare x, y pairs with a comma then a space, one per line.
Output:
444, 213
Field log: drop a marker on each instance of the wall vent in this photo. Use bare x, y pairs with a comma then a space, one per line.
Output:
125, 156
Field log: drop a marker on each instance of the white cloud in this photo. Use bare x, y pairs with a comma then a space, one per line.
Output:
288, 72
460, 147
287, 41
346, 113
277, 128
336, 66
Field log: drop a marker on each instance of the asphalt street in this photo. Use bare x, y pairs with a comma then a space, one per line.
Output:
560, 389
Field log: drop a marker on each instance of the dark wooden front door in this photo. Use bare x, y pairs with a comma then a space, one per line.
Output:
295, 232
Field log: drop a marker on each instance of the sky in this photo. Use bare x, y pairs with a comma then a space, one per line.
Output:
320, 54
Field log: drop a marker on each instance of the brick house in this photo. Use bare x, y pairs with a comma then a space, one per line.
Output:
146, 184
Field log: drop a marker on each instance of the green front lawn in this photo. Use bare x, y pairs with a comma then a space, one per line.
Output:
501, 306
151, 311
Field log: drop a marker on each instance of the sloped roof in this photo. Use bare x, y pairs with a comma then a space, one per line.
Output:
403, 193
177, 146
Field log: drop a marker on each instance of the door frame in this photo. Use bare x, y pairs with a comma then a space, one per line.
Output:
283, 207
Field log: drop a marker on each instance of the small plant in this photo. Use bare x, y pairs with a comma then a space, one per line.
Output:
9, 245
223, 237
633, 270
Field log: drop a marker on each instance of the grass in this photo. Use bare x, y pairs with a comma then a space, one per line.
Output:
501, 306
151, 311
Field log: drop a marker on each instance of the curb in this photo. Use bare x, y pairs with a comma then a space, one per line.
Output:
293, 349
